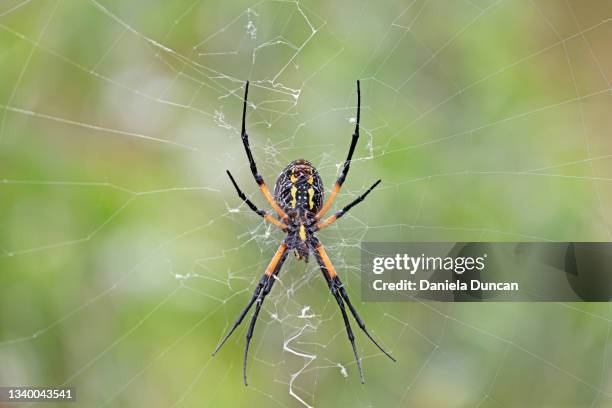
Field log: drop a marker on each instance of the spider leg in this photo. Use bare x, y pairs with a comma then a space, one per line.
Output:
347, 162
334, 289
261, 291
343, 211
250, 335
360, 322
253, 207
260, 285
347, 325
337, 288
258, 178
278, 261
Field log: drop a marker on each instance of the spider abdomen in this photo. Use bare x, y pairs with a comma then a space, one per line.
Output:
299, 190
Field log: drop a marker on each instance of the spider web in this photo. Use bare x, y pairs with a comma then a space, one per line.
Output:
126, 254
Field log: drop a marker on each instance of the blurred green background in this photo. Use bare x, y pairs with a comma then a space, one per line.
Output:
125, 252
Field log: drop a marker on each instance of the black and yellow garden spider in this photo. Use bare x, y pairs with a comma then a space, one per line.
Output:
298, 202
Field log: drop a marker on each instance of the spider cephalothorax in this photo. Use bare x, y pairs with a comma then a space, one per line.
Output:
298, 204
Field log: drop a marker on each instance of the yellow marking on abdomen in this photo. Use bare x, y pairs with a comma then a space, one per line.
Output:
310, 196
302, 233
293, 196
310, 180
293, 179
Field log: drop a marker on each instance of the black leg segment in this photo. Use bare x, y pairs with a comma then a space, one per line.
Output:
261, 291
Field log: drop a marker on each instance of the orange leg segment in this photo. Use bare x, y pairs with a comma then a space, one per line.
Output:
275, 259
266, 193
331, 271
329, 201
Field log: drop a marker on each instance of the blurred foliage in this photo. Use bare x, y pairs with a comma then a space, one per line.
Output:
125, 253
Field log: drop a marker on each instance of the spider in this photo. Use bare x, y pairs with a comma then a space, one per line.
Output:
298, 202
